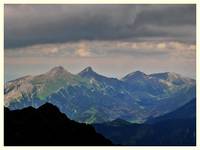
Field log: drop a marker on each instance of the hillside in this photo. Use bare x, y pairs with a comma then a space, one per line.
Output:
177, 128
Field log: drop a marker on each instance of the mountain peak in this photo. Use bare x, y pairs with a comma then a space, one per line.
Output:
57, 70
138, 73
88, 71
50, 108
174, 78
89, 68
167, 76
135, 75
48, 105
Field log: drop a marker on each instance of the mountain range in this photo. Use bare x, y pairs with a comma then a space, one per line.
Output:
93, 98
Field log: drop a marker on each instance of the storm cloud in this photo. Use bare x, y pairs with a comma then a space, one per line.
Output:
114, 39
27, 25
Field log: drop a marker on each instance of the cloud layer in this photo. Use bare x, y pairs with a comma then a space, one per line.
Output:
36, 24
112, 58
95, 49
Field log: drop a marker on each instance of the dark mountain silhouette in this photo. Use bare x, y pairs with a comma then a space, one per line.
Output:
47, 126
177, 128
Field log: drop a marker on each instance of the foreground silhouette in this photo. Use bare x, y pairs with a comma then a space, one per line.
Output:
47, 126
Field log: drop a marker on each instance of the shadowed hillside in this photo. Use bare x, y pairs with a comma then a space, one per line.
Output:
186, 111
177, 128
166, 133
47, 126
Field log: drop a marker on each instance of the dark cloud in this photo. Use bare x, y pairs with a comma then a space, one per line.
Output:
168, 15
35, 24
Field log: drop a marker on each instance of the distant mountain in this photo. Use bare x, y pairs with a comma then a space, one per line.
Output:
172, 129
139, 81
89, 73
162, 92
93, 98
157, 84
188, 111
39, 86
103, 81
47, 126
173, 78
135, 75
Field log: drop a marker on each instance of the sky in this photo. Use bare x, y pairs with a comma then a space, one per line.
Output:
113, 39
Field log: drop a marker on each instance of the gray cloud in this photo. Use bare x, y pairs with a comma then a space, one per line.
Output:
36, 24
